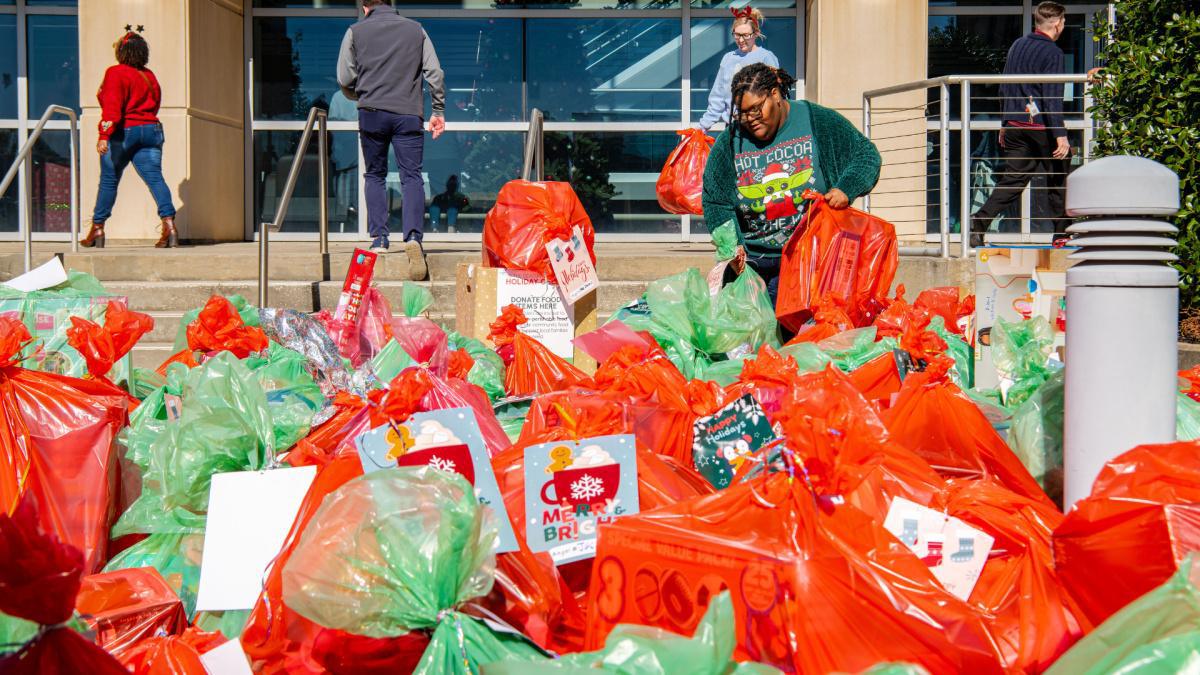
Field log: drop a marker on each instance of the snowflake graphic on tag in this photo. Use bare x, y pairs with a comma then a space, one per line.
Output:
442, 464
587, 487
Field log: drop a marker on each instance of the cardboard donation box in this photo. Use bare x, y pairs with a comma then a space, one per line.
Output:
483, 291
1016, 284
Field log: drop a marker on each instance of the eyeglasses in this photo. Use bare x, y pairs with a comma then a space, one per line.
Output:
753, 112
742, 37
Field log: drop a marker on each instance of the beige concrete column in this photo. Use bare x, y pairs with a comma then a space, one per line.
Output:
858, 45
196, 54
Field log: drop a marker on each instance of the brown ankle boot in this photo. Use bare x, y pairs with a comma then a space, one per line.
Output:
95, 237
169, 237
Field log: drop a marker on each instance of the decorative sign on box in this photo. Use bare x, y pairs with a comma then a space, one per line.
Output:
550, 320
727, 439
572, 487
447, 440
954, 551
573, 267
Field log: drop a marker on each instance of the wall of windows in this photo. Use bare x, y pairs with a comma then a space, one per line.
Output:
39, 66
973, 37
614, 78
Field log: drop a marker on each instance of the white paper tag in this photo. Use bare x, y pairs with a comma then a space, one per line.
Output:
46, 275
954, 551
228, 659
249, 516
572, 266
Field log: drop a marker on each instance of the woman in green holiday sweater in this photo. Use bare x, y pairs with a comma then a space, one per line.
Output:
772, 150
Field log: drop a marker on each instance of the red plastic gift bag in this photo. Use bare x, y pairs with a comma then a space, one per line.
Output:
219, 327
1134, 530
128, 606
101, 347
39, 579
935, 419
172, 654
342, 653
534, 369
681, 183
845, 254
58, 445
526, 217
815, 590
276, 638
1034, 620
829, 319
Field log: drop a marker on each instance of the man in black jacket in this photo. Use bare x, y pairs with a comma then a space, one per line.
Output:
1033, 138
382, 62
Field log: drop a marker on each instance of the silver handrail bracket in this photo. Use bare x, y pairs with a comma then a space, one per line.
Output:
24, 156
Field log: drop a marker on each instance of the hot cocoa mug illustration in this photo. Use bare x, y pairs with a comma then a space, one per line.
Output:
584, 485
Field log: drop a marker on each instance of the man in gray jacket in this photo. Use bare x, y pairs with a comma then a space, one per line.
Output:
383, 59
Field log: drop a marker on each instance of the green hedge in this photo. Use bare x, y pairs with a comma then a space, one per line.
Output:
1147, 100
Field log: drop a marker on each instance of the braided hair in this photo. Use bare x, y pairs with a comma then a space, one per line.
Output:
756, 78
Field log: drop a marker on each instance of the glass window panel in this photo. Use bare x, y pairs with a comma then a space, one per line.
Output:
761, 4
8, 66
50, 184
974, 3
614, 174
295, 65
7, 2
307, 4
968, 45
8, 200
53, 62
50, 3
604, 69
541, 4
711, 41
482, 62
273, 155
482, 162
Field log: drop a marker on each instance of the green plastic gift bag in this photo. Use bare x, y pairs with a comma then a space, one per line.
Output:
401, 550
1157, 633
641, 650
416, 299
488, 371
1021, 354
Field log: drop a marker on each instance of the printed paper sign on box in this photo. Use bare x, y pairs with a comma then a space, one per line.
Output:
573, 487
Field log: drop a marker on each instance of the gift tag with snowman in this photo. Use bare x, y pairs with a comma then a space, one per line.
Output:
724, 441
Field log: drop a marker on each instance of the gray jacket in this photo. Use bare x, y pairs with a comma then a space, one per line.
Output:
383, 59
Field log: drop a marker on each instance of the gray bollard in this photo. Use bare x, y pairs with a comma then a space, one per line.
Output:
1122, 315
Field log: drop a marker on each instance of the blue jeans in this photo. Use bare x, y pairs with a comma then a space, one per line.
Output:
142, 145
377, 129
435, 215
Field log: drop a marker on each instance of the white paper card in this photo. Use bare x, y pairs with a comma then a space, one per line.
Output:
954, 551
550, 320
249, 515
572, 266
228, 659
41, 277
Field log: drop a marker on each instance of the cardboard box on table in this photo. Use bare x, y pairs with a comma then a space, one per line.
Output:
48, 319
483, 291
1015, 284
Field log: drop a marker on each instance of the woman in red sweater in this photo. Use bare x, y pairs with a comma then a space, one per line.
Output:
131, 133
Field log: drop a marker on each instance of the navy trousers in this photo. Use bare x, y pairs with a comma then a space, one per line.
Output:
377, 129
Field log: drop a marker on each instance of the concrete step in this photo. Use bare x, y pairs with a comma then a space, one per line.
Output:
292, 262
181, 296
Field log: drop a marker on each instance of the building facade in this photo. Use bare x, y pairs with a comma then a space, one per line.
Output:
615, 79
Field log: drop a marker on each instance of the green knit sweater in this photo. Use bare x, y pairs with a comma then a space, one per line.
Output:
845, 159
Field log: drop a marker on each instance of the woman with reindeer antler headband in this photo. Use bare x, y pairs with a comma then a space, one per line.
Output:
747, 30
131, 133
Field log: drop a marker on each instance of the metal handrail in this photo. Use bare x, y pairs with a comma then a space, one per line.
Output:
943, 128
320, 118
24, 156
535, 148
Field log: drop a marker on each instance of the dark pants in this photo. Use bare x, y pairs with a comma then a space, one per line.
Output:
1027, 160
142, 146
406, 134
